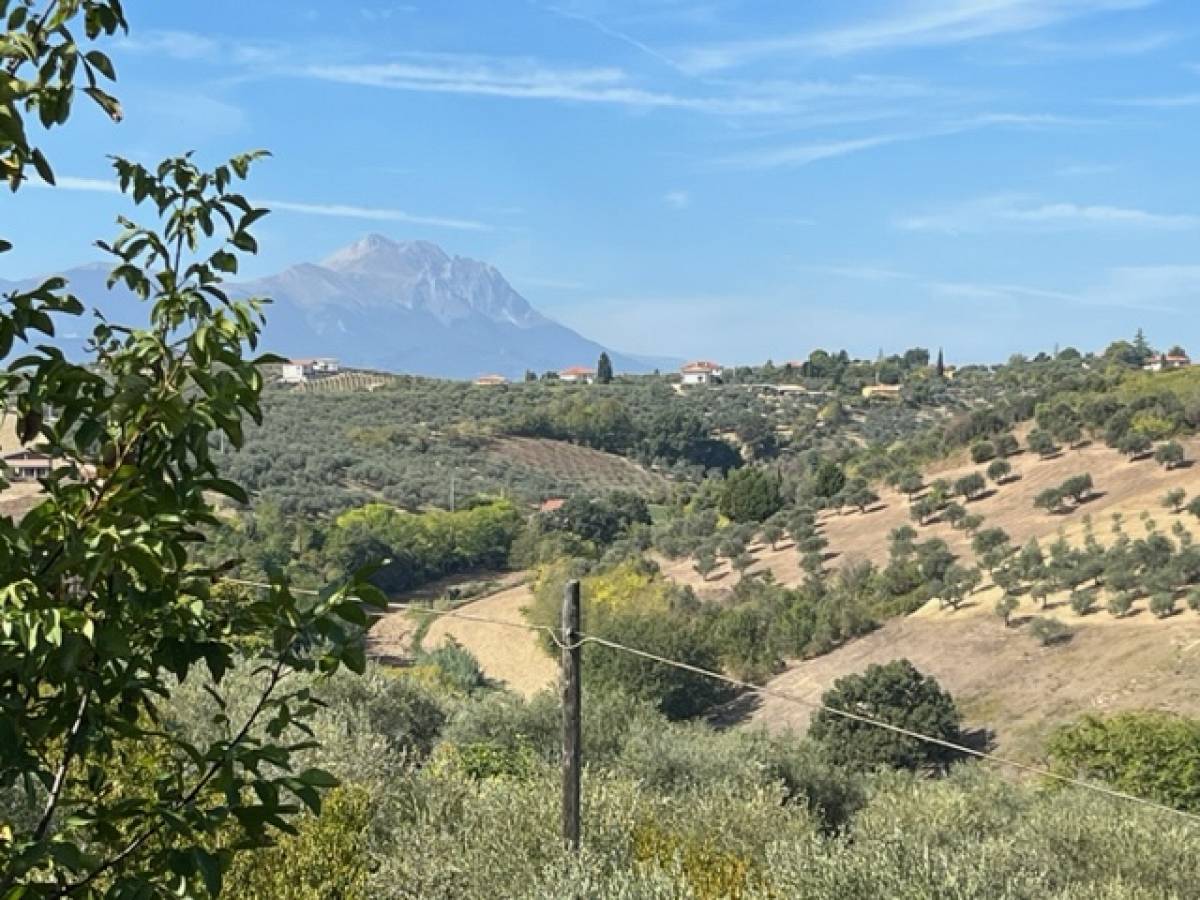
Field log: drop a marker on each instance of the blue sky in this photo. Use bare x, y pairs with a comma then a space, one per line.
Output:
736, 180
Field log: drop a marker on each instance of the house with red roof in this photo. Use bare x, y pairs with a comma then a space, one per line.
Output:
702, 371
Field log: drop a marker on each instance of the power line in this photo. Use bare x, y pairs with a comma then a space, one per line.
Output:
876, 723
584, 638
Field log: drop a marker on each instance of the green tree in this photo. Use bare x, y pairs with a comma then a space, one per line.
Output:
705, 564
1006, 445
604, 369
772, 533
828, 479
911, 483
750, 495
1041, 443
1050, 500
1005, 607
106, 603
1174, 500
970, 486
982, 452
1162, 604
1135, 445
897, 694
1049, 632
1000, 471
1170, 455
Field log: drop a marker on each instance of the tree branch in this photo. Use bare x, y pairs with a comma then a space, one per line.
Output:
60, 776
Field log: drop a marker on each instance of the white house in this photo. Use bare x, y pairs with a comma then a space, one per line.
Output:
491, 380
1165, 361
701, 371
300, 371
27, 465
577, 375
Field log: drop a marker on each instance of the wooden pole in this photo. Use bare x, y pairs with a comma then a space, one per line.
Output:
572, 750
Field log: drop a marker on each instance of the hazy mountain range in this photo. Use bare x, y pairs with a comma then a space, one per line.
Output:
383, 304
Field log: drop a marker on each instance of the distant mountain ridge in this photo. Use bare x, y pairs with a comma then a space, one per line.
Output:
404, 306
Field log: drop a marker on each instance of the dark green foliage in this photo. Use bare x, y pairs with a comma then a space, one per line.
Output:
601, 520
1170, 455
999, 471
828, 480
1148, 754
1135, 445
677, 694
604, 370
750, 495
983, 451
970, 486
895, 693
1042, 443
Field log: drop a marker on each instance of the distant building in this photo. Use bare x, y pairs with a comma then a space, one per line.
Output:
882, 391
552, 505
490, 380
27, 465
702, 371
577, 375
300, 371
1164, 361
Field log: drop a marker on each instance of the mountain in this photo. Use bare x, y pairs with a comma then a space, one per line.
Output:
399, 306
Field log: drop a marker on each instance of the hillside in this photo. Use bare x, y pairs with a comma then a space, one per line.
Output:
576, 467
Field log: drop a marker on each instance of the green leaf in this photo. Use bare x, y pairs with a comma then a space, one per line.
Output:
318, 778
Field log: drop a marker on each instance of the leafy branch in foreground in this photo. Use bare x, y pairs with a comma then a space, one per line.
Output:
103, 604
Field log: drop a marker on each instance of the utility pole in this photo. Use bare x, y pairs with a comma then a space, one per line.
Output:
453, 476
572, 751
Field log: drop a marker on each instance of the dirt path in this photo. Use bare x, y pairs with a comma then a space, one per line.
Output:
511, 656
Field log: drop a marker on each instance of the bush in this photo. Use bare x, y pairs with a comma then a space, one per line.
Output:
676, 693
983, 451
1049, 631
1082, 602
1148, 754
1120, 604
895, 693
1162, 604
750, 495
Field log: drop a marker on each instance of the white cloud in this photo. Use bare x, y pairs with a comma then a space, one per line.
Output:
1014, 212
677, 199
1162, 288
186, 46
794, 155
372, 213
915, 23
334, 210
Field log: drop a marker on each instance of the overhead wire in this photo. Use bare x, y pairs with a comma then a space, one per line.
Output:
583, 638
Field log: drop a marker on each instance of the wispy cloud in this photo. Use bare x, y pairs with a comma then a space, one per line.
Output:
608, 31
334, 210
916, 23
1162, 288
1093, 48
803, 154
1015, 212
372, 213
677, 199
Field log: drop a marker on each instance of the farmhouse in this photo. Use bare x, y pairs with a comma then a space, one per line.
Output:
702, 371
27, 465
882, 391
1176, 359
490, 380
577, 375
300, 371
553, 504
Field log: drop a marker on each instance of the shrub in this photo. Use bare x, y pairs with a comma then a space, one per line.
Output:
1120, 604
1049, 631
1082, 602
1162, 604
1000, 470
982, 452
1006, 606
1148, 754
1169, 455
896, 693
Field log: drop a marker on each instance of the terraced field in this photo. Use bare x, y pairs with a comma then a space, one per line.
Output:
577, 466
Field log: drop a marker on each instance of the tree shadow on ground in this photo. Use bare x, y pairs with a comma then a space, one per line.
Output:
736, 712
983, 495
981, 740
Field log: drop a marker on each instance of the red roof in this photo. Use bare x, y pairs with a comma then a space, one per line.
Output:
700, 365
552, 504
578, 370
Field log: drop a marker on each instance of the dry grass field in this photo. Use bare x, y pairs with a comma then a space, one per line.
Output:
1003, 679
582, 466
